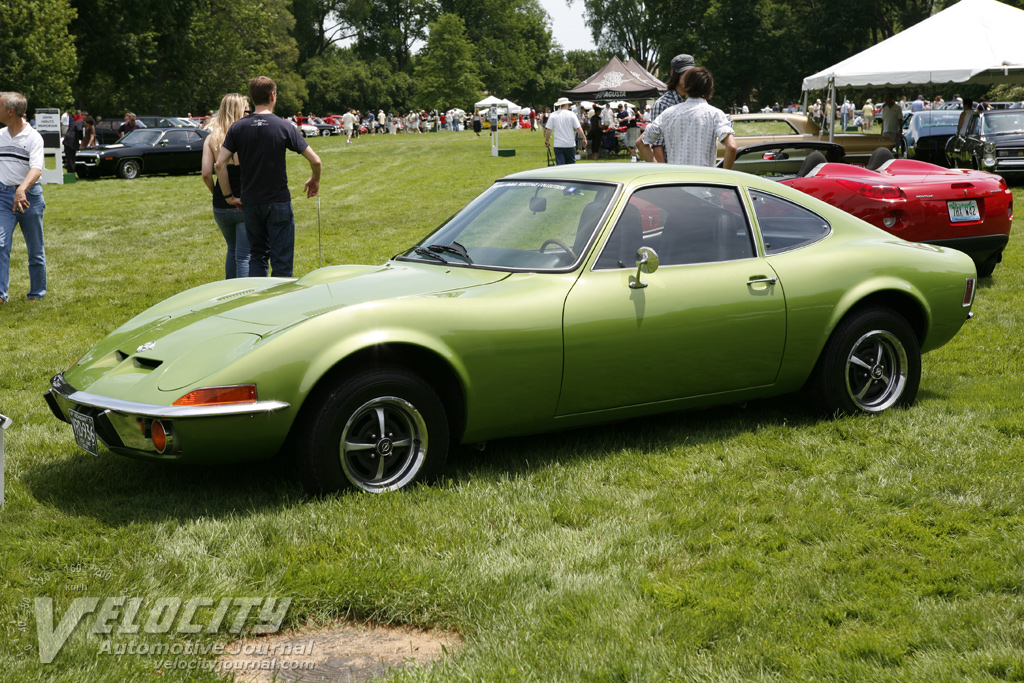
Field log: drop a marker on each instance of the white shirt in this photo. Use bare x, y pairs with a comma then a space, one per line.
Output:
691, 130
892, 119
563, 124
19, 155
348, 120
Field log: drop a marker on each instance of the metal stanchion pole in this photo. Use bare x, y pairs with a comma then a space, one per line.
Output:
5, 422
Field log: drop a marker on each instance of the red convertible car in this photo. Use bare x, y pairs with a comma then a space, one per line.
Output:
963, 209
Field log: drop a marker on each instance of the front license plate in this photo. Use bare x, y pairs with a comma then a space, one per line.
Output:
963, 211
85, 432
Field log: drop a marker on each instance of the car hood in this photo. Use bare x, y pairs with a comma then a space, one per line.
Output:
108, 148
188, 337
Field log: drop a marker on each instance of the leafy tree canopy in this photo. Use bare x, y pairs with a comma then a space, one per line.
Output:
38, 57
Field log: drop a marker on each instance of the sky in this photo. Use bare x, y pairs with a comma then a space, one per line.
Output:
567, 25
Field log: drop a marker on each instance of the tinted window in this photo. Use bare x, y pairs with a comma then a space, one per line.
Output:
177, 137
786, 226
683, 224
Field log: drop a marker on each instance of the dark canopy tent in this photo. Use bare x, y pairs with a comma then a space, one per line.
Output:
618, 81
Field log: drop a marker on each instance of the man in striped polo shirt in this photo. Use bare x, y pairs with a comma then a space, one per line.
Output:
21, 195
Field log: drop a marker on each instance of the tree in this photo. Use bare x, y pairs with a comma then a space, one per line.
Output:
339, 80
632, 28
445, 70
320, 24
390, 28
174, 57
513, 46
38, 58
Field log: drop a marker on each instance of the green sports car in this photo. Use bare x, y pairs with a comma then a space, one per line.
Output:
559, 297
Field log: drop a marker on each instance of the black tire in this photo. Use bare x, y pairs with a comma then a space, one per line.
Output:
325, 132
340, 442
129, 169
872, 362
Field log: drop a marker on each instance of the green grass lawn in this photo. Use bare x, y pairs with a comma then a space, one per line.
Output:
753, 542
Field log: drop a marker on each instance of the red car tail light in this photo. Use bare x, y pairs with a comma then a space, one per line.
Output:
242, 393
873, 190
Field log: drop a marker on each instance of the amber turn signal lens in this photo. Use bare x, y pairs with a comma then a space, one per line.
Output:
159, 437
243, 393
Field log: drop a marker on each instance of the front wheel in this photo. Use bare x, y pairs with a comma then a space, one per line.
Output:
381, 429
129, 169
872, 362
325, 132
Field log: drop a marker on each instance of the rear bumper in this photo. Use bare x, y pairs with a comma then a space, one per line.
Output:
980, 248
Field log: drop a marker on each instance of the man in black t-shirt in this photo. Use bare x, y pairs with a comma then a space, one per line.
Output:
260, 140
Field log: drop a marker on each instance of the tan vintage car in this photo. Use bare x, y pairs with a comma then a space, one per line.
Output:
753, 129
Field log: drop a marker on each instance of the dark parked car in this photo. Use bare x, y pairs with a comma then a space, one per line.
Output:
106, 131
147, 150
993, 141
925, 134
164, 122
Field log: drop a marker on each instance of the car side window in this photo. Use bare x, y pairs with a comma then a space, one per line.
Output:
684, 224
176, 137
786, 226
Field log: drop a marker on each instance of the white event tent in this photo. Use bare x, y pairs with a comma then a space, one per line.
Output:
973, 41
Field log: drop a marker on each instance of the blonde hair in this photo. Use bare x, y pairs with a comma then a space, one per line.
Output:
232, 108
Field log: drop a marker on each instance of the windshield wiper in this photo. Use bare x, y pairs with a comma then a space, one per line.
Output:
453, 248
422, 251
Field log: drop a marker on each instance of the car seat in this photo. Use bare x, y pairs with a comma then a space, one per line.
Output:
813, 160
878, 158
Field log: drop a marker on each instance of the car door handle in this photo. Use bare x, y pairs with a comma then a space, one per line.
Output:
765, 280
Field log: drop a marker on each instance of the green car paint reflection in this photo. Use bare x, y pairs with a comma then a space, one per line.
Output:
527, 312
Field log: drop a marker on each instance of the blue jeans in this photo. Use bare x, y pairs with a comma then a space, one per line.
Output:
565, 155
232, 225
31, 223
271, 232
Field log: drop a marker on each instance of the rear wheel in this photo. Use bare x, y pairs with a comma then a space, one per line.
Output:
381, 429
129, 169
872, 362
325, 132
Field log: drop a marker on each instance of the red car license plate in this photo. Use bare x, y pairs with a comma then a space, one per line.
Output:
85, 432
963, 211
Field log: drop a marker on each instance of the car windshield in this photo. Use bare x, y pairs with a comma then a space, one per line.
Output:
142, 137
938, 119
1009, 122
520, 225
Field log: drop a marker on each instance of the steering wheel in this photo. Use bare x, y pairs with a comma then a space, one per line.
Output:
559, 243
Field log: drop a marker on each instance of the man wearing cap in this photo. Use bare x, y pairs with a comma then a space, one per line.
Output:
562, 125
674, 95
692, 130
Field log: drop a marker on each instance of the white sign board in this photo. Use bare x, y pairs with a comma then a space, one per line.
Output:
48, 125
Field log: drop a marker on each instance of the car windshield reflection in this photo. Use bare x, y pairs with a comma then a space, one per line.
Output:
521, 225
1004, 123
142, 137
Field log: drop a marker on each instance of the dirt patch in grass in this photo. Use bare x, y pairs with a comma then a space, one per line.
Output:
341, 653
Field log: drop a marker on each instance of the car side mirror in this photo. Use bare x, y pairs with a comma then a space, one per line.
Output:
538, 204
646, 262
163, 143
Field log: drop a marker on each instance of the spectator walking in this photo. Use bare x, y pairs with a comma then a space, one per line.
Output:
869, 114
562, 125
692, 130
229, 218
892, 121
21, 195
348, 121
260, 140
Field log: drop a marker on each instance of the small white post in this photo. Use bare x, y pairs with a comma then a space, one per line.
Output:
5, 422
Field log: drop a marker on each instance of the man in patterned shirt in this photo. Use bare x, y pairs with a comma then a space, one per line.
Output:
680, 65
692, 129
